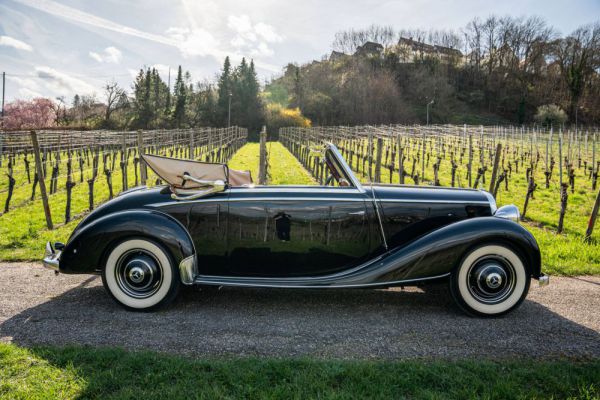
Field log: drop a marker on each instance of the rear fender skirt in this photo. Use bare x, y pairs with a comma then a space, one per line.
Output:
86, 249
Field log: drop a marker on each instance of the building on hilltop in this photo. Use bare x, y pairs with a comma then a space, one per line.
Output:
410, 50
337, 55
369, 49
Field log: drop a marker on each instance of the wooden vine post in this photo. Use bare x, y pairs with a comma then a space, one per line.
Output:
378, 159
593, 217
564, 196
124, 160
40, 176
400, 161
70, 185
143, 171
11, 185
470, 165
495, 170
262, 168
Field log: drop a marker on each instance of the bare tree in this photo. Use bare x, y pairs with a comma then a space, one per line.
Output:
473, 39
60, 111
578, 57
115, 99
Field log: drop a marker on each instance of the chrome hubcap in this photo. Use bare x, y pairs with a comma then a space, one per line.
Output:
491, 279
138, 273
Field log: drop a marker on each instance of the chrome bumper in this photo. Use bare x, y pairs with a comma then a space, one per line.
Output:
544, 280
51, 258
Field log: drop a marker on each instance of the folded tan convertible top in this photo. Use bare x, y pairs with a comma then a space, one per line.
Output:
171, 170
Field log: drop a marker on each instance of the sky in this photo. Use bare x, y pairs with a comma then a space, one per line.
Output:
54, 48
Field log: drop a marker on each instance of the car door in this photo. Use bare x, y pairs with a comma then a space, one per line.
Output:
297, 231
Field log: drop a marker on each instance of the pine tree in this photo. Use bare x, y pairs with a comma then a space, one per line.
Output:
146, 107
224, 91
180, 99
255, 107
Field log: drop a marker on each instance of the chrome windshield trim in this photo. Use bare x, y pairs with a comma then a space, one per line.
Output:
340, 158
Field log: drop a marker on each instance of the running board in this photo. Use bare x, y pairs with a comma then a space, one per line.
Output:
295, 283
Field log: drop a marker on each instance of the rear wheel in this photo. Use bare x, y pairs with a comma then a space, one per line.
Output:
490, 281
140, 275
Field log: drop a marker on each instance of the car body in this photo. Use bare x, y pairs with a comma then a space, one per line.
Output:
344, 236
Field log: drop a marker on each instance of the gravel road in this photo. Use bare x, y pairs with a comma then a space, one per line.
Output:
560, 320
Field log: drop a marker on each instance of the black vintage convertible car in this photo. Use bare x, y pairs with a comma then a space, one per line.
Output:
211, 226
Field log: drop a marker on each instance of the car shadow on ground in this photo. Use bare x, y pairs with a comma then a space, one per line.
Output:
388, 324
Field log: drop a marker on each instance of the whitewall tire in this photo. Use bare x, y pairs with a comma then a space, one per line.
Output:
490, 281
140, 275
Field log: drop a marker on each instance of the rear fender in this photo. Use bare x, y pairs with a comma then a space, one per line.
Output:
438, 253
87, 248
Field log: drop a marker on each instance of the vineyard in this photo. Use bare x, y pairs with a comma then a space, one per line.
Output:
83, 170
552, 176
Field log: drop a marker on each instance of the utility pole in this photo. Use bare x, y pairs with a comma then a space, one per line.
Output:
229, 111
428, 104
3, 90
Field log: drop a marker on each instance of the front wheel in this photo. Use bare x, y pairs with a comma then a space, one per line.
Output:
490, 281
140, 275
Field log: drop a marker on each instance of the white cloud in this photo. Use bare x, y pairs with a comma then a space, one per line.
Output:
252, 38
242, 26
191, 42
262, 50
27, 87
14, 43
24, 82
29, 94
110, 55
267, 32
194, 42
61, 83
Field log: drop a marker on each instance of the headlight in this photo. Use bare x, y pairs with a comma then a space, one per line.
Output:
509, 212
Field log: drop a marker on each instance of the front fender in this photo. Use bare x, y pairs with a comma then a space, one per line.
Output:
86, 249
439, 252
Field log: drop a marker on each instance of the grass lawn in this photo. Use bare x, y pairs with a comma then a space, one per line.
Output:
284, 168
81, 372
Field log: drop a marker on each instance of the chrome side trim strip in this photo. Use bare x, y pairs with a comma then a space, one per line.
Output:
203, 280
432, 201
294, 189
309, 278
419, 201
